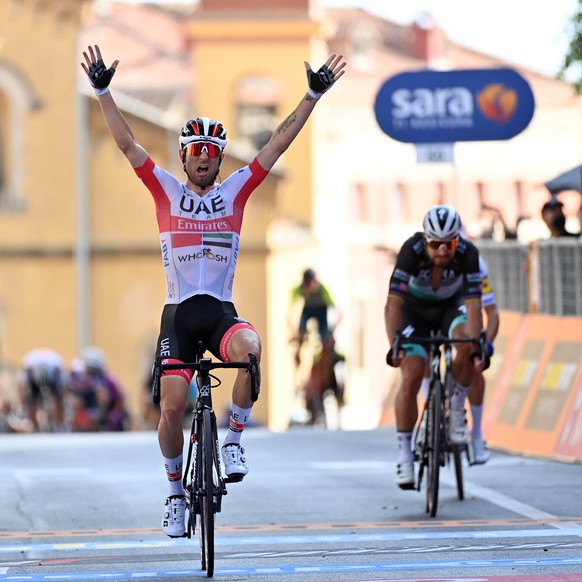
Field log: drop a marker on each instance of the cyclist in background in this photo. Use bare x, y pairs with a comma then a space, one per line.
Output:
200, 224
478, 451
41, 384
435, 286
111, 411
97, 400
316, 300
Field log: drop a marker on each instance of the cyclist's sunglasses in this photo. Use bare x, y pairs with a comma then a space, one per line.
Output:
450, 244
196, 148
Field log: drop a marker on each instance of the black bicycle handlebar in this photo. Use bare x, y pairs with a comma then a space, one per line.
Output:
206, 365
197, 366
439, 340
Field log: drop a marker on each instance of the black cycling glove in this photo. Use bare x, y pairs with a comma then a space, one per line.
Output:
320, 81
99, 75
389, 357
486, 361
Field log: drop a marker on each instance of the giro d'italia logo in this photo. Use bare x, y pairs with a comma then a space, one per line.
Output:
497, 102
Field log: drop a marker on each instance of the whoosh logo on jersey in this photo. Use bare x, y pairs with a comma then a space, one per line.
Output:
203, 254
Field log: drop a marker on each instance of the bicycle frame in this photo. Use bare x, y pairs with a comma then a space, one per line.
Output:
202, 479
433, 448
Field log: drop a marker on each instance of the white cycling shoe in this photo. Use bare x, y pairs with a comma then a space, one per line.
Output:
478, 452
405, 475
235, 463
174, 520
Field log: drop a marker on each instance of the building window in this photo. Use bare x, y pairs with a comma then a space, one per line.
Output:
257, 100
3, 141
16, 99
256, 124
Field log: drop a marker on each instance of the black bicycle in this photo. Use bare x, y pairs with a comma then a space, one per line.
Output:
204, 483
432, 445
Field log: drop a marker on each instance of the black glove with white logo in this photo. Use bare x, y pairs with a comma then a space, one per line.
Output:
321, 81
99, 75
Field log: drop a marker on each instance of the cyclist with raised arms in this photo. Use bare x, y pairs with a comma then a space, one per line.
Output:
200, 223
435, 286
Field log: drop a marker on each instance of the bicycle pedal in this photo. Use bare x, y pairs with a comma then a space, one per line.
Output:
407, 486
234, 478
184, 535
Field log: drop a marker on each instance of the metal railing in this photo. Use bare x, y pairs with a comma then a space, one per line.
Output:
540, 277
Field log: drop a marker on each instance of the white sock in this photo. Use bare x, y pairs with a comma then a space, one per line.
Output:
424, 385
476, 416
236, 423
405, 446
174, 474
458, 396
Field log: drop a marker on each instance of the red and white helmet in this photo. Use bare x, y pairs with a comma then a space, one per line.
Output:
203, 129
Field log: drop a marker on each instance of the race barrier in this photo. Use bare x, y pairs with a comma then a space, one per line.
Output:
533, 400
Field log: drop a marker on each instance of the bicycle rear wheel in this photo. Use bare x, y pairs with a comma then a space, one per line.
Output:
206, 494
435, 428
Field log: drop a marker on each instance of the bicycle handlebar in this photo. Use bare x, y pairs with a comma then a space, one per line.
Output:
206, 365
439, 340
197, 366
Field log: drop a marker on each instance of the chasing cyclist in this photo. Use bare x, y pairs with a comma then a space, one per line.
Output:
478, 451
317, 301
41, 381
199, 220
435, 286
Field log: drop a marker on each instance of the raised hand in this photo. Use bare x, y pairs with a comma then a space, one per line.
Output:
322, 80
99, 75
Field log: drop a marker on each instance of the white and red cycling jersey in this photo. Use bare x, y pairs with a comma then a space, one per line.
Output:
200, 235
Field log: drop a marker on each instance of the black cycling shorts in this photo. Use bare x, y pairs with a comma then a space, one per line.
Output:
42, 377
199, 318
420, 318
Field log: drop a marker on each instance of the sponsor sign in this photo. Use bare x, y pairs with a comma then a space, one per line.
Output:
451, 106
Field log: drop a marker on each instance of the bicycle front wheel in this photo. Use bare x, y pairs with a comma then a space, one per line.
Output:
456, 449
435, 429
206, 494
457, 457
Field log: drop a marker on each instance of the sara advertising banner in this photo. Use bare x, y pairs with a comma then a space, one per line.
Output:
457, 105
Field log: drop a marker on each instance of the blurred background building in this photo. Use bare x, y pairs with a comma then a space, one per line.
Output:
79, 254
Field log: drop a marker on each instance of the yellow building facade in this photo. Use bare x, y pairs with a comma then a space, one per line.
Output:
79, 253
